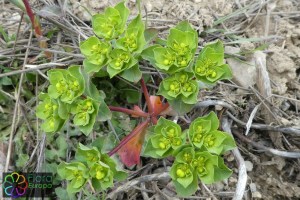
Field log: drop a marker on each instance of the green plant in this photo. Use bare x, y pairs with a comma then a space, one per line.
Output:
117, 50
197, 157
91, 166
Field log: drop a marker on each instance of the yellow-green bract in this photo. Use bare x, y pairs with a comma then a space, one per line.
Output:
196, 157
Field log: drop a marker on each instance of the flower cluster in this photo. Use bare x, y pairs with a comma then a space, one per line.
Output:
180, 86
177, 57
197, 157
179, 50
48, 111
66, 95
210, 66
166, 139
91, 165
117, 47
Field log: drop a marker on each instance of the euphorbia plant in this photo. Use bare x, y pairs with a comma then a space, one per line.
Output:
117, 50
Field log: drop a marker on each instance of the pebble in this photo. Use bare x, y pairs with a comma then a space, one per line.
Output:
249, 166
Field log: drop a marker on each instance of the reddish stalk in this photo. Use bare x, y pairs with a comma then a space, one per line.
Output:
135, 131
37, 28
128, 111
36, 25
147, 97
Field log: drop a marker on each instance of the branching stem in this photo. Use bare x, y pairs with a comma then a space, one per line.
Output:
129, 111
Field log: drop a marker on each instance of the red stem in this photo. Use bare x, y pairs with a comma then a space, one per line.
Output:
128, 111
35, 23
125, 140
147, 97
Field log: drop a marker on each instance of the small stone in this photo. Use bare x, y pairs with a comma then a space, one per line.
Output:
256, 195
233, 180
249, 166
244, 73
253, 187
230, 158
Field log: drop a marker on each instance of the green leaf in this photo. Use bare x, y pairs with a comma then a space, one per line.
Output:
102, 176
148, 53
87, 129
111, 23
132, 74
181, 42
58, 150
197, 131
213, 142
150, 34
180, 107
164, 58
75, 172
124, 13
185, 155
63, 194
184, 179
181, 88
188, 191
63, 110
190, 91
134, 39
170, 88
203, 164
214, 51
87, 155
167, 137
221, 171
5, 81
104, 113
186, 27
210, 65
132, 96
89, 67
213, 118
119, 175
120, 61
22, 160
66, 84
228, 144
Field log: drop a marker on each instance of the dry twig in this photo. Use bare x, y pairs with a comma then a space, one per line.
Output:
242, 180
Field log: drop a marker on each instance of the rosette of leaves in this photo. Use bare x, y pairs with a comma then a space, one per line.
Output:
210, 66
111, 23
76, 172
180, 86
166, 139
99, 168
189, 166
85, 112
96, 53
50, 111
66, 84
179, 51
121, 62
134, 39
100, 173
204, 134
181, 90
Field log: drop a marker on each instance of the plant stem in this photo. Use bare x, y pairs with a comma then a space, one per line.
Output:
147, 97
37, 28
35, 23
125, 140
128, 111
